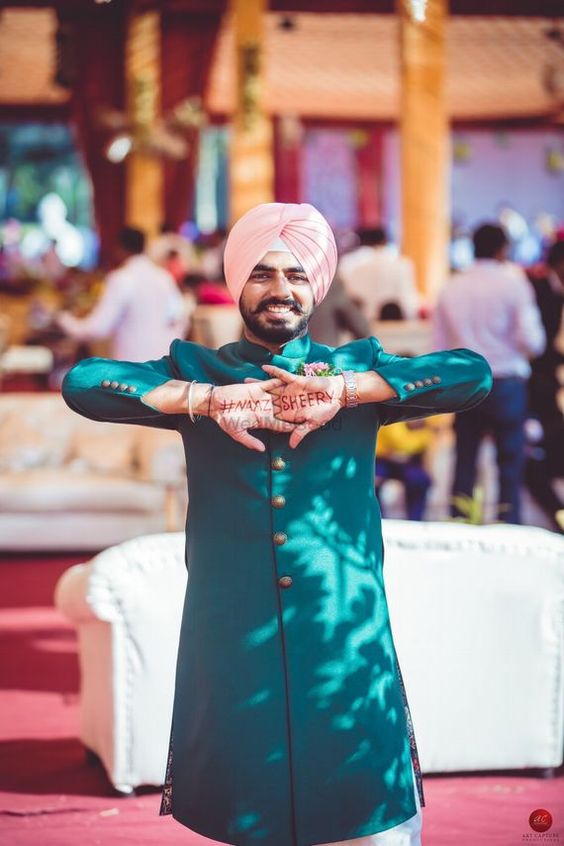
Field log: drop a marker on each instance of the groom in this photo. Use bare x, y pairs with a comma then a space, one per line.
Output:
291, 724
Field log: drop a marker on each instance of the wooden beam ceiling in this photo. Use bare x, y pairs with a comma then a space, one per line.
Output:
505, 8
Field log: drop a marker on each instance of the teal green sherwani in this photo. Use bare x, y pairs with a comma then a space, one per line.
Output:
290, 726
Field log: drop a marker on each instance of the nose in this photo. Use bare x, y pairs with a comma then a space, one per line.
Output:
280, 286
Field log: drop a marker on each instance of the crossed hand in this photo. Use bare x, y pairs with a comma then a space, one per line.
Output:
285, 403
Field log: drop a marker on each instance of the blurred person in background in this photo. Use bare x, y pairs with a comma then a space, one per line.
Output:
211, 257
173, 251
338, 313
400, 455
141, 309
548, 287
545, 429
374, 275
491, 309
206, 292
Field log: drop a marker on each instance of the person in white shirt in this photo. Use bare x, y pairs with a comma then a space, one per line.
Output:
490, 308
170, 241
375, 276
141, 308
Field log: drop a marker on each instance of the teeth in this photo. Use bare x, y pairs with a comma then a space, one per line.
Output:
279, 308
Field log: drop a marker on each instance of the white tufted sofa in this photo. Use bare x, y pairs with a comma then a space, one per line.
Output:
71, 483
478, 620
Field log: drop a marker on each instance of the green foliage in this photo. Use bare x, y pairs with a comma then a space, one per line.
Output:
472, 508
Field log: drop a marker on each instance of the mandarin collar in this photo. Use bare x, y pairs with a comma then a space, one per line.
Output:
297, 348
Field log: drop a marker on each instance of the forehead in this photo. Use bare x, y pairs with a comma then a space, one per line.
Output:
280, 260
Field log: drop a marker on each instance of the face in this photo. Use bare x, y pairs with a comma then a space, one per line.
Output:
277, 300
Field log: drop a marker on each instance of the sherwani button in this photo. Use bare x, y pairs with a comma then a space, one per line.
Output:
285, 581
280, 538
427, 382
131, 389
278, 463
409, 387
114, 385
419, 384
105, 383
437, 380
123, 387
278, 501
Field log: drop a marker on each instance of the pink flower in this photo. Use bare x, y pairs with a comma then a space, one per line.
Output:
317, 368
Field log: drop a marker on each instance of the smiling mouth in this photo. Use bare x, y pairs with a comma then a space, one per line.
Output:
279, 309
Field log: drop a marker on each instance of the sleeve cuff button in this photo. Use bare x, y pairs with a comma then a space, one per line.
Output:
409, 387
131, 389
427, 382
105, 383
114, 385
436, 380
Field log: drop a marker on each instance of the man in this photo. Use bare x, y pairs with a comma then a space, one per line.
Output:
290, 726
336, 314
375, 276
168, 242
545, 461
549, 294
490, 307
141, 308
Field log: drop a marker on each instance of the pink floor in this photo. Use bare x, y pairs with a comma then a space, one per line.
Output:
50, 796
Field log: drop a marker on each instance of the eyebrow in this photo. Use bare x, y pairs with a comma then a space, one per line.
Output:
268, 268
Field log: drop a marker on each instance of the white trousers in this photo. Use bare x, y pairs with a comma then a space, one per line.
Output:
407, 833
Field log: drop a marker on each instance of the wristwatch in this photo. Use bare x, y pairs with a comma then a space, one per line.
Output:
351, 392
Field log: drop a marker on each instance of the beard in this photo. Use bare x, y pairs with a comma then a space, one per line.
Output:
275, 333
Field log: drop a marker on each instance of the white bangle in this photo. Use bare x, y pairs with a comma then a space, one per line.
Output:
190, 410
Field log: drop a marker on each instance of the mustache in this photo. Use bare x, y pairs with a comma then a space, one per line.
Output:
292, 303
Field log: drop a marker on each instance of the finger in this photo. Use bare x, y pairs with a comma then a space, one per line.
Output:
244, 437
278, 372
267, 384
299, 434
250, 379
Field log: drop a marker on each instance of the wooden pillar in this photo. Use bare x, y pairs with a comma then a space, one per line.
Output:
144, 173
424, 136
251, 160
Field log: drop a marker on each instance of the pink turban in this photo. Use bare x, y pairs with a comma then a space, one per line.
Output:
304, 231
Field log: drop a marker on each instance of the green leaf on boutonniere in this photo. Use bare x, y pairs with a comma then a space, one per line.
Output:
317, 368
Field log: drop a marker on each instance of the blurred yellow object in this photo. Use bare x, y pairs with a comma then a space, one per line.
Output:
404, 439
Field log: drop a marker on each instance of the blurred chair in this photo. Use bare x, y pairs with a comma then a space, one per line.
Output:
216, 325
404, 336
67, 482
36, 361
5, 326
478, 621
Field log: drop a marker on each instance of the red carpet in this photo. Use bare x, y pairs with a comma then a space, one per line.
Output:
50, 796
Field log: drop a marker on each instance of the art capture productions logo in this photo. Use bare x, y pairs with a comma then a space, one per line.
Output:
540, 822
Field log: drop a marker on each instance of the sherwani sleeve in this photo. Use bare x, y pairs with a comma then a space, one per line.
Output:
436, 383
112, 391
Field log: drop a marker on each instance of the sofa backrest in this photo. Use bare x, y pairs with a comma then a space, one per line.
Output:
38, 429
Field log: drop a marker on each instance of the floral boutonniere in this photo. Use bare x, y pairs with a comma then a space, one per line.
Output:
317, 368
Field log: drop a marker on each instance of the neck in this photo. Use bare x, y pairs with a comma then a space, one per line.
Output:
275, 348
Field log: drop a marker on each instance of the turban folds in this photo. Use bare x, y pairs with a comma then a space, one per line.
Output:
304, 231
